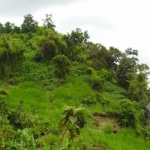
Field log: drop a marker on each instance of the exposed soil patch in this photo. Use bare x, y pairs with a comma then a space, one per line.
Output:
98, 147
101, 120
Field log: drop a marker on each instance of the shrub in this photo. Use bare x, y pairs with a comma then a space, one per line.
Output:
130, 114
20, 119
62, 64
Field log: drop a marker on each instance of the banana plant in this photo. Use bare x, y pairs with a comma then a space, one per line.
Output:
73, 119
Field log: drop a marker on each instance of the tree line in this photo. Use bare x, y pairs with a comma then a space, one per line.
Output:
28, 25
44, 44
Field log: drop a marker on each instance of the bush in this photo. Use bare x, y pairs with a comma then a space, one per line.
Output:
62, 64
96, 81
48, 50
130, 114
20, 119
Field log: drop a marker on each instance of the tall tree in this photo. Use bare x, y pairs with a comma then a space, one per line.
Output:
16, 29
76, 43
8, 27
48, 23
138, 88
77, 36
97, 54
127, 67
29, 24
113, 58
1, 28
11, 56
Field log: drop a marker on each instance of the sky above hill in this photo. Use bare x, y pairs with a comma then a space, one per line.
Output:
119, 23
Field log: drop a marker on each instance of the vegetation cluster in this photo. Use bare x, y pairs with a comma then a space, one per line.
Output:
62, 91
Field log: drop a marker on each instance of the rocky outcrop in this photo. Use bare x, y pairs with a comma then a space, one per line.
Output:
148, 115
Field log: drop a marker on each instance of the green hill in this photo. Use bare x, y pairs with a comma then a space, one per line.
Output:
62, 91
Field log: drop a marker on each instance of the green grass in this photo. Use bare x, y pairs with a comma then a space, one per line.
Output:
49, 105
69, 94
75, 89
35, 98
125, 139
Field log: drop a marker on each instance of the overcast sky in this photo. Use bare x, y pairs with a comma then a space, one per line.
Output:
119, 23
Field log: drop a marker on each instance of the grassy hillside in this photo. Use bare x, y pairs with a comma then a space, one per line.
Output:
64, 92
102, 130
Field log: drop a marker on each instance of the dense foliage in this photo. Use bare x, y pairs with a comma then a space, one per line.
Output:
105, 91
